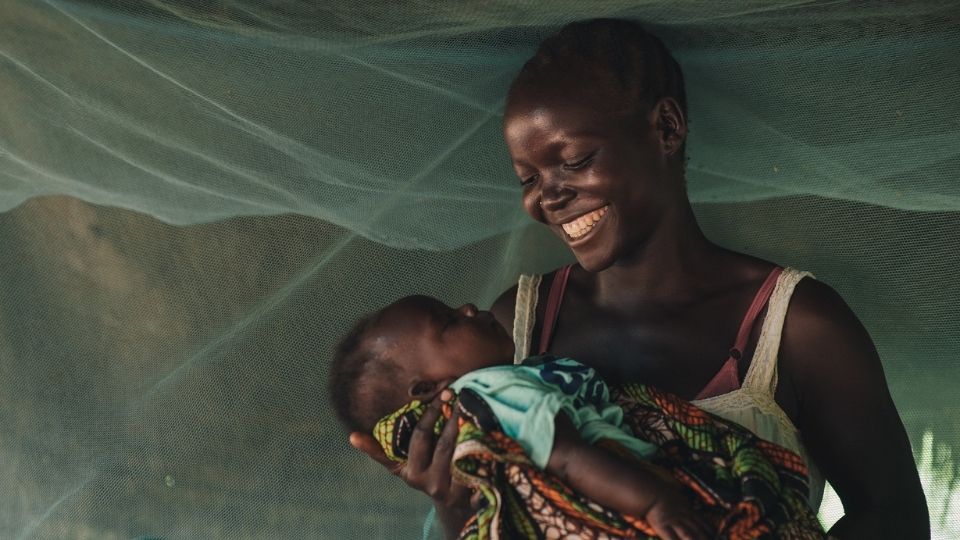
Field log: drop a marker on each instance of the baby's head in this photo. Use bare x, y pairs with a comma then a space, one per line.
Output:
411, 349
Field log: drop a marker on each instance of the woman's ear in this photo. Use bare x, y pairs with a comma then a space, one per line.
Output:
671, 125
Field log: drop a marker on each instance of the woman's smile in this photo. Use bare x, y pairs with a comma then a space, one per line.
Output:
578, 229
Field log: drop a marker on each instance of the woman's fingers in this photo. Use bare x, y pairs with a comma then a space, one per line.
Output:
440, 478
369, 446
447, 443
420, 450
690, 531
666, 534
428, 457
683, 526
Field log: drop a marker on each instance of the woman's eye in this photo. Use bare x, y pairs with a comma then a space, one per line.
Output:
578, 164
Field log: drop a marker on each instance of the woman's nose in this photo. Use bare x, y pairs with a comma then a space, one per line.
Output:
469, 310
555, 194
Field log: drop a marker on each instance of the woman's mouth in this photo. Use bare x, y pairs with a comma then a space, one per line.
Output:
578, 228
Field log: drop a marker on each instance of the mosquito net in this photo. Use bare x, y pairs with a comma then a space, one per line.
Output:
199, 198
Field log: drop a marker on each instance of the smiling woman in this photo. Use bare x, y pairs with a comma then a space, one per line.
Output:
629, 175
198, 198
596, 127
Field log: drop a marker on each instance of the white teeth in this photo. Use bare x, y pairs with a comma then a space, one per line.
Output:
583, 224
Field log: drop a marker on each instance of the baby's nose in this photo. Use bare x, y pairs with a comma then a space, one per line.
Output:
469, 310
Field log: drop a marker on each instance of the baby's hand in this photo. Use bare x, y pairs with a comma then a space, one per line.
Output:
673, 518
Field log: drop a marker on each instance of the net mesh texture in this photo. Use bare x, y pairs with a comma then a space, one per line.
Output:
199, 198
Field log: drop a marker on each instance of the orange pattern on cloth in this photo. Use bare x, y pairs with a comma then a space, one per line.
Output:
746, 487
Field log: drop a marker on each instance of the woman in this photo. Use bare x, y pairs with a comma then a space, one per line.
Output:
596, 126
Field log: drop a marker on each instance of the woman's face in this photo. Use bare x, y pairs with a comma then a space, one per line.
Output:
596, 175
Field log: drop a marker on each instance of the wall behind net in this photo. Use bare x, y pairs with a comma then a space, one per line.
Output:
213, 194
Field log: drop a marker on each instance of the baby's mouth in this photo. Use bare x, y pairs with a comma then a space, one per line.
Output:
585, 223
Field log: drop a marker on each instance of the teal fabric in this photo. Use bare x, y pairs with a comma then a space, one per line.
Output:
429, 524
527, 398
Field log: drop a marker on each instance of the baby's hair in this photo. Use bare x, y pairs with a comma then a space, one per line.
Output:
358, 406
636, 59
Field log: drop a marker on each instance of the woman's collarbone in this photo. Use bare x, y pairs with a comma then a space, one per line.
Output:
624, 358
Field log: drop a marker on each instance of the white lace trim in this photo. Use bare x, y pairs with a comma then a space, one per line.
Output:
760, 383
524, 315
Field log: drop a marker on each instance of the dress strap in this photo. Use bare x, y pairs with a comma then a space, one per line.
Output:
727, 379
524, 315
759, 302
762, 375
557, 288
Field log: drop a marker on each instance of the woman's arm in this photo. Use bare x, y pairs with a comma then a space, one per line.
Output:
633, 488
848, 420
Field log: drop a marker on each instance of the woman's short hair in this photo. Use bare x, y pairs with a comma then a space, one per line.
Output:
634, 58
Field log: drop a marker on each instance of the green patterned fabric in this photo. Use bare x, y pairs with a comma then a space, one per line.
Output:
744, 486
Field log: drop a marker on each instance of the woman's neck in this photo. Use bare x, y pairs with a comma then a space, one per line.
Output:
674, 263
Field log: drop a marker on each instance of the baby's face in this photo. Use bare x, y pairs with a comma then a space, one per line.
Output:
437, 343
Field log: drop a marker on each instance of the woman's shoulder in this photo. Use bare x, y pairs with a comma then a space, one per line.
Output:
504, 307
823, 339
817, 310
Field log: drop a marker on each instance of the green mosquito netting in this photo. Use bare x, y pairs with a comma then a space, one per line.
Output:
199, 197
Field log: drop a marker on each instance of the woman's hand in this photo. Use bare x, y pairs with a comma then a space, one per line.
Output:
673, 518
428, 464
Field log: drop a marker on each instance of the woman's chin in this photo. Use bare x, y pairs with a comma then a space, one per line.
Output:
595, 256
594, 261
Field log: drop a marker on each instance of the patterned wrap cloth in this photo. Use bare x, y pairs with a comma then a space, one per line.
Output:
746, 487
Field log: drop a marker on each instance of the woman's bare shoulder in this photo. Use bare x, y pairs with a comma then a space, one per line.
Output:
826, 356
822, 336
817, 311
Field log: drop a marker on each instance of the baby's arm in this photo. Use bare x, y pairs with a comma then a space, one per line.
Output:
640, 490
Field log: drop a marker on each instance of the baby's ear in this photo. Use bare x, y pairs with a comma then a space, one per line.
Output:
423, 390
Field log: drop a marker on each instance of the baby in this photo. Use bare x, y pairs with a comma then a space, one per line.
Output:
565, 451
